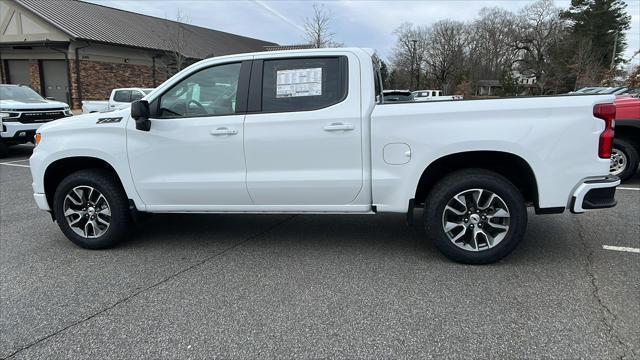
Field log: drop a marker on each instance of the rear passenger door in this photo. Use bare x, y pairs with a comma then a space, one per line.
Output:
303, 131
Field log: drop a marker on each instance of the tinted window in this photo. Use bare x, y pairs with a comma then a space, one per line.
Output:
211, 91
303, 84
136, 95
122, 96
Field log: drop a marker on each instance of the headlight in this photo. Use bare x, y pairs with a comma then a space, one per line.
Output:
37, 138
9, 115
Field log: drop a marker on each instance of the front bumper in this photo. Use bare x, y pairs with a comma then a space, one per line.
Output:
595, 194
15, 131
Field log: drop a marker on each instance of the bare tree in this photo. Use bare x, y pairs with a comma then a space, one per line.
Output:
540, 29
409, 54
491, 39
446, 53
175, 41
583, 64
317, 30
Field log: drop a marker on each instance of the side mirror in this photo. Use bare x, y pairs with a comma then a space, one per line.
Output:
140, 113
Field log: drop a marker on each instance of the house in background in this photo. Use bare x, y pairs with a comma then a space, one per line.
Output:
526, 85
487, 87
72, 50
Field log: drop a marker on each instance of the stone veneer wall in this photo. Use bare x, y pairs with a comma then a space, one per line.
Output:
99, 78
34, 73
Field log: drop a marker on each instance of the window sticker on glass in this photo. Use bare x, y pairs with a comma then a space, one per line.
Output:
299, 82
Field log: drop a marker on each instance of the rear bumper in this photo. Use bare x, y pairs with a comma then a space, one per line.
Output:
595, 194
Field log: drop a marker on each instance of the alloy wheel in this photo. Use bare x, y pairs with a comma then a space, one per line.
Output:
87, 211
476, 219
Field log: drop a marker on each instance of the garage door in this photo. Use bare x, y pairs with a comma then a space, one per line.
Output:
19, 72
56, 84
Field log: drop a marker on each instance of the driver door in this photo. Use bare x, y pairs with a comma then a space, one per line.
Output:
192, 158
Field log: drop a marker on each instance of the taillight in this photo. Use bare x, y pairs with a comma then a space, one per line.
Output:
606, 112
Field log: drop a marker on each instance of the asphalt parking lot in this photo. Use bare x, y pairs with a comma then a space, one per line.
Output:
248, 286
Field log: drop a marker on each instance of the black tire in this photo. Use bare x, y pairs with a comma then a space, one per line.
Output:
4, 149
464, 180
110, 188
631, 155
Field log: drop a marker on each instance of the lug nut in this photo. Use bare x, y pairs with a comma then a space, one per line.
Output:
479, 225
466, 220
471, 226
484, 217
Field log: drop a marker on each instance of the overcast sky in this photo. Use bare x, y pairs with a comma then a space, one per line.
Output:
355, 23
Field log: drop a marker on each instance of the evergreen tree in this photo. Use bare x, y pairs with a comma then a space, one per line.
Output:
603, 23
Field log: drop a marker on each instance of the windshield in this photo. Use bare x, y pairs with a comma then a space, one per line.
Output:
19, 93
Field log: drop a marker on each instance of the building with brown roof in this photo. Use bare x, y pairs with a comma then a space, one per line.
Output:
73, 50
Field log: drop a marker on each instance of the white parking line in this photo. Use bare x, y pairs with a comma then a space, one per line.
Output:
628, 188
16, 165
621, 248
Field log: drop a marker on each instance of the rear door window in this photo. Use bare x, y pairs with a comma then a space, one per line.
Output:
303, 84
122, 96
136, 95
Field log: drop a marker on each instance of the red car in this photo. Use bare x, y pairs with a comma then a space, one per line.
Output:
626, 145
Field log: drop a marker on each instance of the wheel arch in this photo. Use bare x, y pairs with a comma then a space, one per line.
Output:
511, 166
59, 169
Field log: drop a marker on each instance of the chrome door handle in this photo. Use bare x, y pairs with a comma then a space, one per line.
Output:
224, 131
339, 127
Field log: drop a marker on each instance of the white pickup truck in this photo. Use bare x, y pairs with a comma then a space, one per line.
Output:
301, 132
433, 95
22, 112
119, 99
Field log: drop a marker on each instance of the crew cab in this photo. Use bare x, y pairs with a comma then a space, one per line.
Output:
309, 132
22, 111
626, 145
119, 99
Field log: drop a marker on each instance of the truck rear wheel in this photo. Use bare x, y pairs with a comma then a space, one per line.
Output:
475, 216
624, 159
91, 209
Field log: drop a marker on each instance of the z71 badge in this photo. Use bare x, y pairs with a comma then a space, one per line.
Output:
108, 120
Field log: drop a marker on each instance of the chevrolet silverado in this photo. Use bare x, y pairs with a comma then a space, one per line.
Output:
22, 111
308, 131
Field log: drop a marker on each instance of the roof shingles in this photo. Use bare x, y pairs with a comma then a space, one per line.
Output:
92, 22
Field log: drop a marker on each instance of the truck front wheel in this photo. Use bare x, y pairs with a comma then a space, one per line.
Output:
475, 216
4, 149
91, 209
